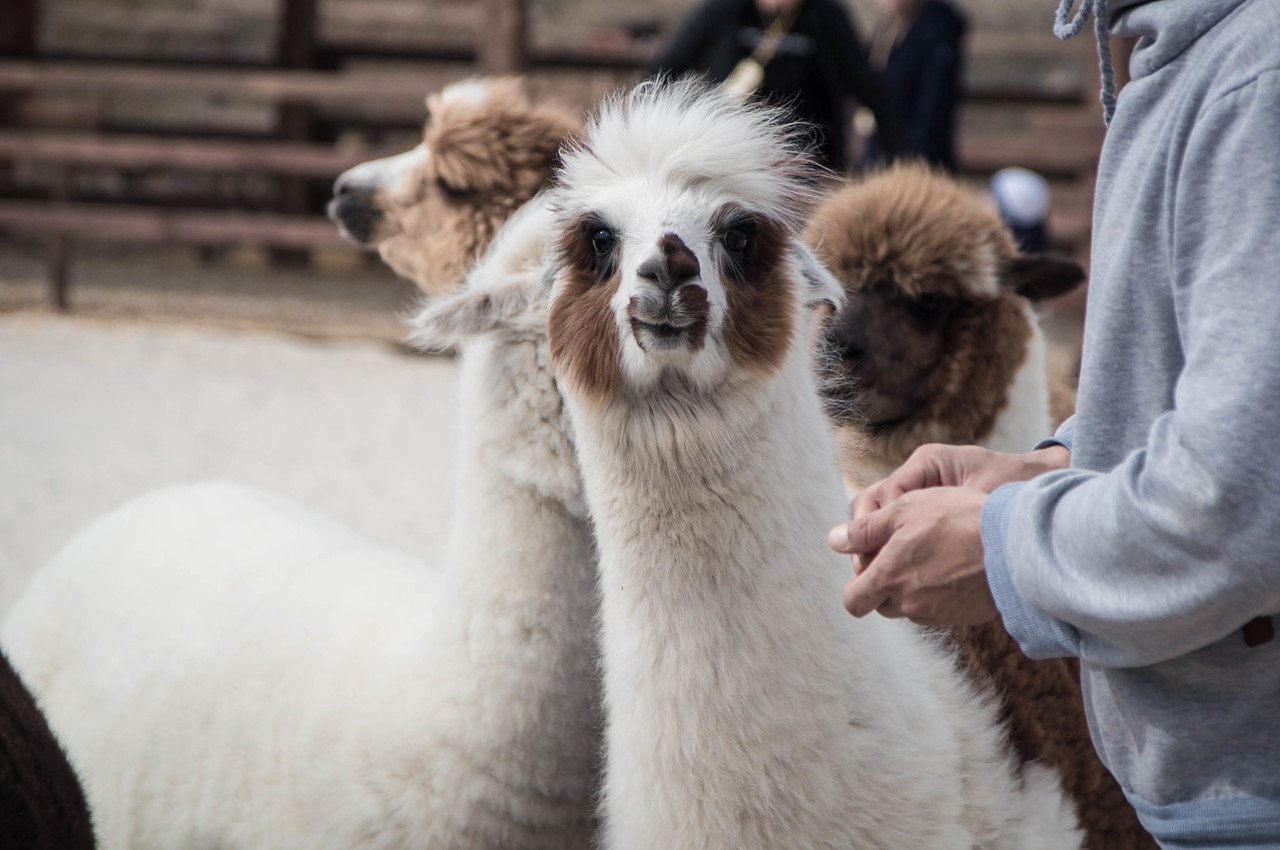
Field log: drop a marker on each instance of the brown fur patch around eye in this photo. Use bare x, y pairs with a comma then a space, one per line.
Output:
760, 297
581, 327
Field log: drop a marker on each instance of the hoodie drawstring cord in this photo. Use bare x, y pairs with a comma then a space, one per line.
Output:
1065, 27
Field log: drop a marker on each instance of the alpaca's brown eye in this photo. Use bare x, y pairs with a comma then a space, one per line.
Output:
930, 308
450, 191
737, 238
602, 240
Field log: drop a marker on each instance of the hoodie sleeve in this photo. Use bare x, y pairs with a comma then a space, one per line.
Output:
1062, 437
1179, 545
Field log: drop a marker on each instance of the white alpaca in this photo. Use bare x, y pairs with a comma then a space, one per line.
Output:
229, 670
745, 709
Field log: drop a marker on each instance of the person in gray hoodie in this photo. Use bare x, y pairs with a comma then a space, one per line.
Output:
1144, 538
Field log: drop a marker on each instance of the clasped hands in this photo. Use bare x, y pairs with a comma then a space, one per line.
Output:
915, 537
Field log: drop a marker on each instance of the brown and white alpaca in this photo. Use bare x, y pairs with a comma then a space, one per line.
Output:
42, 806
745, 709
231, 670
432, 211
937, 342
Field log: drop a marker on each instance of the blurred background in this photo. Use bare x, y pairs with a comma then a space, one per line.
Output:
174, 304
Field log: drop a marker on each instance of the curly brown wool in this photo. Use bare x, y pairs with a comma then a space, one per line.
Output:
484, 164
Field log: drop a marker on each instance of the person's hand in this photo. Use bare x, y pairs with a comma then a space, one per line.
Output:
923, 559
958, 466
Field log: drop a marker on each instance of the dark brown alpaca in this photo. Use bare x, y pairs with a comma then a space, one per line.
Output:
42, 806
924, 351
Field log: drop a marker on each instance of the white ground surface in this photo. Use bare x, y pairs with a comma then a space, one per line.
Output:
94, 412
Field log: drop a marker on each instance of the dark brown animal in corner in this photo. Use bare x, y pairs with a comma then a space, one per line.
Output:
42, 806
937, 343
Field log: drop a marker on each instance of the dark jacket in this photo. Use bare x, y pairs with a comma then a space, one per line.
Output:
922, 79
818, 65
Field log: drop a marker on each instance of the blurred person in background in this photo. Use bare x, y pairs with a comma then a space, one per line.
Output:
1144, 537
1022, 198
804, 54
918, 50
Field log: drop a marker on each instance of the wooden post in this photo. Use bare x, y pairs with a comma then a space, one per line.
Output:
58, 251
19, 39
19, 29
500, 41
296, 49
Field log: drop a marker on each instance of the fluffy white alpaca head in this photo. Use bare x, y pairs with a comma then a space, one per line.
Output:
676, 250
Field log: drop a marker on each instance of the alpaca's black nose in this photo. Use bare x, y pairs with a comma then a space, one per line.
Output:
673, 266
355, 210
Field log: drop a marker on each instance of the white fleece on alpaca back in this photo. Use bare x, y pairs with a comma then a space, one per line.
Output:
228, 669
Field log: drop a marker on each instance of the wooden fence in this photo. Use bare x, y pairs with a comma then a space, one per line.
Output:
327, 76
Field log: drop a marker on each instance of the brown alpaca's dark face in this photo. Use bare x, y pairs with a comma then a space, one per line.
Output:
933, 350
936, 320
885, 348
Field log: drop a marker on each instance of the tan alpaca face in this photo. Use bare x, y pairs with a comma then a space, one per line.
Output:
367, 197
431, 211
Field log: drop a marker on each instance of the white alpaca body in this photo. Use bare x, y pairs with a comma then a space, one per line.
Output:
1024, 420
746, 708
229, 670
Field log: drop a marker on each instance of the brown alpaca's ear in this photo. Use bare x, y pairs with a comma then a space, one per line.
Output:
1037, 277
514, 308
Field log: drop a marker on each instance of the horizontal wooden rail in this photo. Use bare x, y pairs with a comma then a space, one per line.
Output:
1068, 156
130, 151
191, 227
392, 88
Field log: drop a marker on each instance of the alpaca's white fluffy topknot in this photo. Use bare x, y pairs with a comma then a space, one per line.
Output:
687, 133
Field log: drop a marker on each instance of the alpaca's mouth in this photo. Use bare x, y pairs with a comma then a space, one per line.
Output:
670, 321
662, 330
660, 336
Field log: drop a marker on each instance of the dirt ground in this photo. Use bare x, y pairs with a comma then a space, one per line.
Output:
146, 385
170, 368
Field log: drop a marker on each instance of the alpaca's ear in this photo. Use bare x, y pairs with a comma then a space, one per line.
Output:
820, 286
1037, 277
509, 309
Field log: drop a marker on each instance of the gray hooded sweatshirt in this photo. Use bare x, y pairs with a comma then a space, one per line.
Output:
1150, 555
